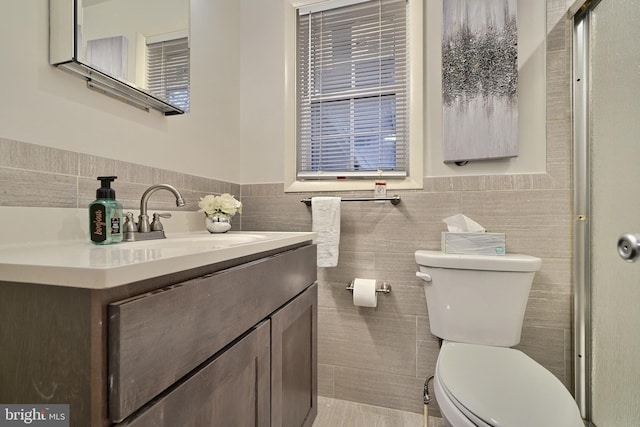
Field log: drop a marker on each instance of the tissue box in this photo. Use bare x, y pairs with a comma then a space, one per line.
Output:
473, 243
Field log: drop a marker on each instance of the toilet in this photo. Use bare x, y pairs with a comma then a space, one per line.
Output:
476, 306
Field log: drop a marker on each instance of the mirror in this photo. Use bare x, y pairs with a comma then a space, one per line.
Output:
133, 50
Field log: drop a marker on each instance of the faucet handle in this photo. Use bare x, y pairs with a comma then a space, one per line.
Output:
129, 228
156, 225
129, 224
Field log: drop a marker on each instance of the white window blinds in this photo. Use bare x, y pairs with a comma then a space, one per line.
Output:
168, 71
352, 91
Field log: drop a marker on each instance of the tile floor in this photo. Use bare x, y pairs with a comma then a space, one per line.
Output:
342, 413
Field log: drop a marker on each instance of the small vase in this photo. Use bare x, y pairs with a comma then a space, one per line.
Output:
217, 223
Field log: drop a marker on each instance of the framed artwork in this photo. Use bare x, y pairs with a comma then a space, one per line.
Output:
479, 79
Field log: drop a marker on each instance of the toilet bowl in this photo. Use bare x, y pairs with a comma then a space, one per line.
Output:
476, 305
478, 385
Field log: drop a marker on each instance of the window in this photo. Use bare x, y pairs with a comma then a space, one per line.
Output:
354, 93
168, 71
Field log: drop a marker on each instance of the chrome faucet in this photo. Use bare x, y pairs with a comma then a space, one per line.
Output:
144, 230
143, 219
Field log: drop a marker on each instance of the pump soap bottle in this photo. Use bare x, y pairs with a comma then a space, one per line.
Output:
105, 214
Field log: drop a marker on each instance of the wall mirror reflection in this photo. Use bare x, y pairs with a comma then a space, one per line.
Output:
133, 50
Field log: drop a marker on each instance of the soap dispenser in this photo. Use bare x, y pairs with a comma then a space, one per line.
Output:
105, 214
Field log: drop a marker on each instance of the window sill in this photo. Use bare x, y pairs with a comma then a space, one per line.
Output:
351, 185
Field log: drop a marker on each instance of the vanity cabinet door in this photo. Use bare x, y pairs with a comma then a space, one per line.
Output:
231, 390
294, 389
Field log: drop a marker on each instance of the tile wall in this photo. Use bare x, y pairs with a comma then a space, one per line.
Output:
375, 356
36, 176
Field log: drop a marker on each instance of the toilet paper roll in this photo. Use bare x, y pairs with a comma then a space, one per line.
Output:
364, 293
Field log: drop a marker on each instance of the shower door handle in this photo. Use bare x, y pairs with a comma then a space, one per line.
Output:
629, 247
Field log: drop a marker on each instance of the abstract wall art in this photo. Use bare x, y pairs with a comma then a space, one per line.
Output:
479, 79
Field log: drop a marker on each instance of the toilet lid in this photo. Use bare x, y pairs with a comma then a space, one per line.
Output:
504, 387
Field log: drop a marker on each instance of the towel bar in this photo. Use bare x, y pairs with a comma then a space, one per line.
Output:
393, 199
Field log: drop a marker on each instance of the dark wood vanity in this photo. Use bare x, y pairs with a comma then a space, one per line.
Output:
227, 344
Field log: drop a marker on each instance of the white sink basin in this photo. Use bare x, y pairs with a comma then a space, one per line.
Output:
196, 242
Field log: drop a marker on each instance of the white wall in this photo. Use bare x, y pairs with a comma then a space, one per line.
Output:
262, 91
44, 105
262, 96
235, 129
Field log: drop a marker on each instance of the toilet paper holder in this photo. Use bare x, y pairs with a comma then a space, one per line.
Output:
384, 288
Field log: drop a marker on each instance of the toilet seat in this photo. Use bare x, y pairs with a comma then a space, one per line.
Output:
503, 387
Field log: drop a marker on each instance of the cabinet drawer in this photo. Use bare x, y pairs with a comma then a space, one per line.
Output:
157, 338
233, 389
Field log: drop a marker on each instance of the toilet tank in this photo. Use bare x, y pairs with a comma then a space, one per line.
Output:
477, 299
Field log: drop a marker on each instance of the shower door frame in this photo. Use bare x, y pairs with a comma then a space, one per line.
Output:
582, 212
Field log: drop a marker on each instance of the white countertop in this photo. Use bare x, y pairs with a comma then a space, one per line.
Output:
79, 263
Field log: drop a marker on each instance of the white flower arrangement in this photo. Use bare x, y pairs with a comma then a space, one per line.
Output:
224, 204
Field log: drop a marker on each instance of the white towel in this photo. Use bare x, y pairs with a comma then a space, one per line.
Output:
325, 213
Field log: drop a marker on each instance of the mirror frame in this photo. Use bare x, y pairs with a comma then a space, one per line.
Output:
63, 54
